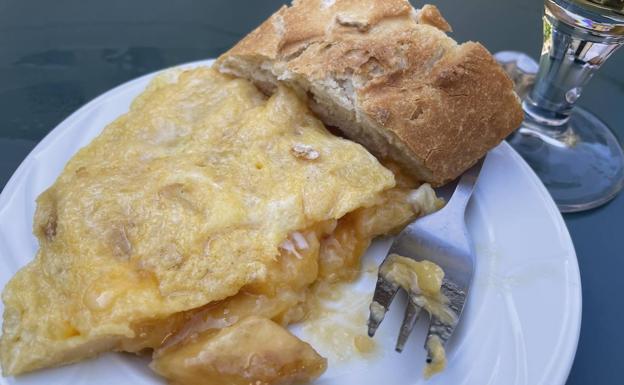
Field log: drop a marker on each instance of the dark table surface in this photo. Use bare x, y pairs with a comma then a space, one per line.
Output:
57, 55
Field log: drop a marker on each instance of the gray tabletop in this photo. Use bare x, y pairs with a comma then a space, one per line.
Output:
57, 55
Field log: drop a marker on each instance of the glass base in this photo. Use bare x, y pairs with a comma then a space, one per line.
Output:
582, 168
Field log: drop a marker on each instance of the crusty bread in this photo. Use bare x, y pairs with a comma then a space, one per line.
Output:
387, 76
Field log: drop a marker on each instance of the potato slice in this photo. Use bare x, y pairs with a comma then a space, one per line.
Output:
253, 351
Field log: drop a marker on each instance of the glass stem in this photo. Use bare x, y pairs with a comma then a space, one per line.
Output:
570, 57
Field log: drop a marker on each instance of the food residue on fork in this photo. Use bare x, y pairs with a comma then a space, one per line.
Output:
422, 280
437, 360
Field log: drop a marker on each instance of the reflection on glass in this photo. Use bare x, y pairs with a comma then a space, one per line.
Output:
574, 153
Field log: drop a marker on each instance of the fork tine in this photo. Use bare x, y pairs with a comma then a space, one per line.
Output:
412, 311
437, 328
384, 294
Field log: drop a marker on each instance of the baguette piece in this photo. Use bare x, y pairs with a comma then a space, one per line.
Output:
387, 76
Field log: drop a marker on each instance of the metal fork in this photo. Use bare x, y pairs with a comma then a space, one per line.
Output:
441, 238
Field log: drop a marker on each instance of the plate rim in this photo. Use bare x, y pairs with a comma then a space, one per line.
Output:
560, 373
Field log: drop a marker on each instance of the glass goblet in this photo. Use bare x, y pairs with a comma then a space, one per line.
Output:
572, 151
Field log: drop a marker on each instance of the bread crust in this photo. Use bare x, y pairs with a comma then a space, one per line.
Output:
435, 107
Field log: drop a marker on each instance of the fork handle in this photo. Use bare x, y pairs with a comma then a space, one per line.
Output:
463, 191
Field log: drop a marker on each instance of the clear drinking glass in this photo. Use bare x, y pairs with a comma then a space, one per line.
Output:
574, 153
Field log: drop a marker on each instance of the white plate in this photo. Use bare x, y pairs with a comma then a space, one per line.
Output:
521, 323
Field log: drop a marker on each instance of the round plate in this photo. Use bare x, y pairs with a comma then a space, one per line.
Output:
520, 325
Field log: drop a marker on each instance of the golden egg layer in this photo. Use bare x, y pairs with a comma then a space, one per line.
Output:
205, 204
